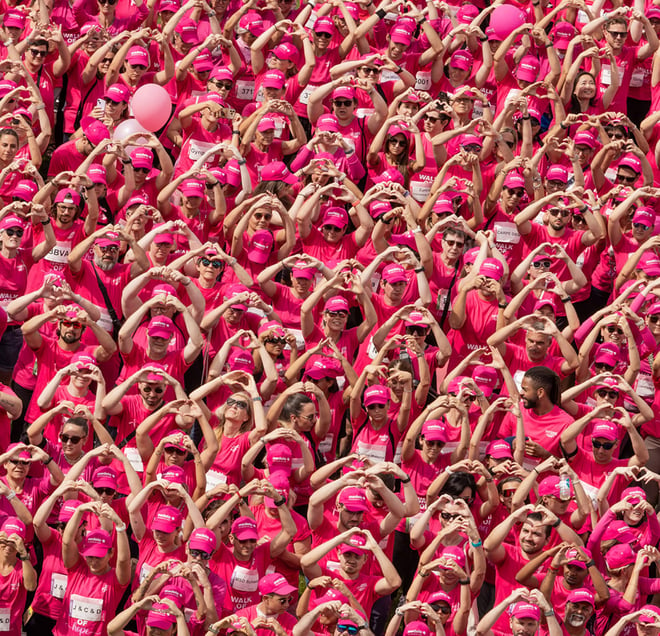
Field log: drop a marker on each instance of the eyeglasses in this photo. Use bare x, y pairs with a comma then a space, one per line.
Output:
19, 462
38, 53
331, 228
326, 36
109, 248
69, 323
619, 135
107, 1
613, 329
578, 218
472, 148
173, 450
74, 439
468, 500
200, 554
372, 407
349, 629
368, 70
454, 243
138, 67
163, 246
605, 445
602, 366
342, 102
215, 264
144, 170
154, 389
108, 60
517, 192
431, 119
443, 609
613, 395
618, 34
308, 418
623, 179
557, 212
448, 516
508, 493
540, 264
13, 232
105, 491
220, 84
638, 226
239, 404
417, 331
398, 142
434, 443
261, 215
280, 341
337, 314
654, 319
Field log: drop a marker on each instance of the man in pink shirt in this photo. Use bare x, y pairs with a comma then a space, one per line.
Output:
276, 596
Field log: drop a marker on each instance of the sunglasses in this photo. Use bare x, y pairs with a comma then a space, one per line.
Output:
260, 215
417, 331
638, 226
105, 491
74, 439
326, 36
331, 228
448, 516
443, 609
654, 319
453, 243
605, 445
19, 462
12, 232
200, 554
432, 119
613, 329
342, 102
308, 418
557, 212
69, 323
517, 192
163, 246
618, 34
107, 1
38, 53
368, 70
144, 170
398, 142
613, 395
373, 407
215, 264
433, 443
623, 179
280, 341
239, 404
226, 85
539, 264
508, 493
153, 389
337, 314
472, 148
108, 60
138, 67
349, 629
603, 366
175, 451
578, 218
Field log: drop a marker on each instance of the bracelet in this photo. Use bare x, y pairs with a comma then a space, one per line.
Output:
258, 398
8, 42
489, 480
406, 480
211, 13
121, 528
419, 270
126, 161
41, 107
46, 222
553, 568
381, 13
549, 613
417, 230
232, 261
235, 132
566, 300
590, 563
242, 162
281, 502
422, 20
502, 305
399, 70
11, 495
476, 544
484, 39
464, 581
213, 630
214, 184
48, 460
424, 575
349, 152
25, 558
398, 612
526, 117
557, 523
536, 470
547, 45
562, 126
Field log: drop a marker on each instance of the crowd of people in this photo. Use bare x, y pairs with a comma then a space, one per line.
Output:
362, 341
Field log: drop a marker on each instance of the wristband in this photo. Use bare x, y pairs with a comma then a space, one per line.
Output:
258, 398
476, 544
557, 523
25, 558
489, 480
536, 470
419, 270
281, 502
399, 70
381, 13
212, 185
583, 209
422, 20
566, 300
502, 305
211, 13
547, 45
424, 575
562, 126
464, 581
213, 630
48, 460
349, 152
121, 528
525, 117
11, 495
549, 613
46, 222
232, 261
417, 230
126, 161
235, 132
406, 480
242, 162
590, 563
41, 107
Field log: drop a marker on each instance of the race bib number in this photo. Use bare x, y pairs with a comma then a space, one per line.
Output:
645, 388
513, 93
133, 456
214, 478
364, 112
423, 81
5, 619
606, 74
420, 190
85, 608
506, 232
518, 378
637, 78
307, 91
245, 90
145, 570
372, 451
59, 253
197, 149
244, 580
58, 585
388, 76
325, 445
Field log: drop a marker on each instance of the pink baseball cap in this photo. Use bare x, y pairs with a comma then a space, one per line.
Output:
96, 543
454, 387
174, 474
274, 79
606, 356
67, 509
491, 268
25, 190
105, 477
13, 525
653, 309
390, 175
557, 173
280, 481
187, 29
466, 13
618, 530
454, 553
14, 19
573, 557
68, 195
528, 69
632, 162
203, 539
203, 62
635, 493
416, 319
357, 544
343, 92
376, 394
160, 617
266, 123
137, 56
486, 378
324, 25
514, 180
167, 519
244, 528
499, 449
471, 140
163, 288
142, 158
241, 360
11, 221
435, 431
286, 51
94, 130
549, 487
252, 22
610, 383
261, 246
645, 215
275, 583
649, 263
401, 35
302, 269
277, 171
97, 174
222, 73
619, 556
327, 123
335, 216
605, 429
324, 368
523, 609
117, 93
585, 138
416, 628
192, 188
462, 59
109, 239
236, 290
336, 303
160, 327
279, 458
562, 33
353, 499
394, 273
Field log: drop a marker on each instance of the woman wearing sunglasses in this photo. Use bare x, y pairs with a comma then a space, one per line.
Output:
106, 15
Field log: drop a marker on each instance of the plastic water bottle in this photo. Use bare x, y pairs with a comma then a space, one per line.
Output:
564, 487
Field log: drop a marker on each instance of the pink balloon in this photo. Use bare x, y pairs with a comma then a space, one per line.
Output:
151, 106
128, 128
505, 19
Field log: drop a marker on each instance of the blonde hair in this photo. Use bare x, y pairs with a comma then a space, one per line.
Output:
220, 412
